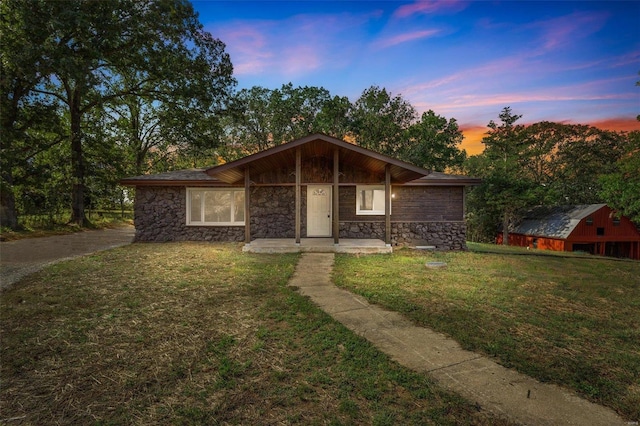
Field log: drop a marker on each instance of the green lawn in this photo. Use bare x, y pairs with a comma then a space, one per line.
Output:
571, 321
189, 333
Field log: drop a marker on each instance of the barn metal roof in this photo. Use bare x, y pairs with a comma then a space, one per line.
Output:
554, 222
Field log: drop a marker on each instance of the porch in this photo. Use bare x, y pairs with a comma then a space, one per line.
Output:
317, 245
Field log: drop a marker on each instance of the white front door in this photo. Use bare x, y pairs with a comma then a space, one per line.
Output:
318, 210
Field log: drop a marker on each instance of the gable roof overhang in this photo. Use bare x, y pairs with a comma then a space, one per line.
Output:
317, 145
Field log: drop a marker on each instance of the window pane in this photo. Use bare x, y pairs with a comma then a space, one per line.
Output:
378, 200
196, 214
366, 199
217, 206
239, 206
371, 200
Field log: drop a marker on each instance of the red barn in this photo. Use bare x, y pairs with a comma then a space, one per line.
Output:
591, 228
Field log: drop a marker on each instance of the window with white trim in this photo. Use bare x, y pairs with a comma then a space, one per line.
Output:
370, 199
215, 207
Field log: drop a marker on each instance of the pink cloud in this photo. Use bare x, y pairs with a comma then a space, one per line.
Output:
461, 86
630, 58
403, 38
551, 95
258, 46
249, 50
460, 99
566, 30
465, 80
299, 59
428, 7
300, 44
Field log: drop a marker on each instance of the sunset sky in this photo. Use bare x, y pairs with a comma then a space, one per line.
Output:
563, 61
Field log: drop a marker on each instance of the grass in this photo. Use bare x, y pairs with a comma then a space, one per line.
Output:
570, 321
194, 333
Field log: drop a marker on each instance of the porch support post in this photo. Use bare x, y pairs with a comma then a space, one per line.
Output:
387, 205
336, 197
247, 207
298, 198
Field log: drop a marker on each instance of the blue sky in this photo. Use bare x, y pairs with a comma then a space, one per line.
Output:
565, 61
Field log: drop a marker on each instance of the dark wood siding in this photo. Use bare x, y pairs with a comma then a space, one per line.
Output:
428, 203
316, 170
411, 204
348, 204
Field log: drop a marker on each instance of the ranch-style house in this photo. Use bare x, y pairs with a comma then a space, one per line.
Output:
316, 187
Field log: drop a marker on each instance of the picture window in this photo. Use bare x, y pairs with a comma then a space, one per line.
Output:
215, 207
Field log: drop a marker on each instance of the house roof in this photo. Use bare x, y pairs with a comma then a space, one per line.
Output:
192, 177
284, 155
554, 222
445, 179
316, 145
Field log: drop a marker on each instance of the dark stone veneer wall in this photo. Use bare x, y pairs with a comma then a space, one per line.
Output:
442, 235
160, 215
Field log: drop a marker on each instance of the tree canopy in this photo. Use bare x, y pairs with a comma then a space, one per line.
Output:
261, 118
85, 55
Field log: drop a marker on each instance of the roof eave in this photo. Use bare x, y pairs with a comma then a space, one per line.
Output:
166, 182
445, 182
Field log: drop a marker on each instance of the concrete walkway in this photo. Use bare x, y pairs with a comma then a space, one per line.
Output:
477, 378
23, 257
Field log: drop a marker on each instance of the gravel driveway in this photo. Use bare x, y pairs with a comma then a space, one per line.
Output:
23, 257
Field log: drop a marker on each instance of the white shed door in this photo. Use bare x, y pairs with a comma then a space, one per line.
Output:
319, 210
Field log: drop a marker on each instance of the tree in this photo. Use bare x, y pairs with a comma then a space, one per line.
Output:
433, 143
260, 118
583, 154
248, 126
28, 123
505, 190
380, 121
150, 134
87, 51
621, 188
333, 119
295, 111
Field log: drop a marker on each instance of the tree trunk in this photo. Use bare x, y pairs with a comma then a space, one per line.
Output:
8, 213
77, 166
505, 229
